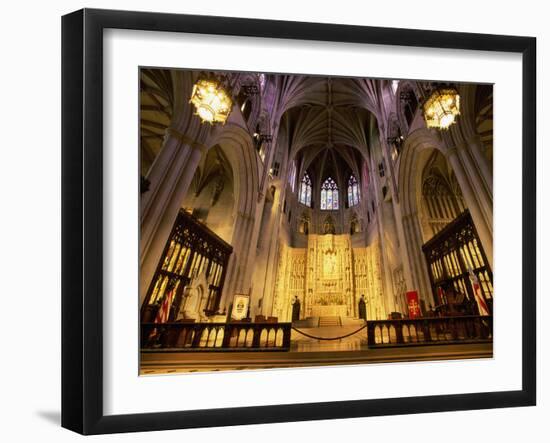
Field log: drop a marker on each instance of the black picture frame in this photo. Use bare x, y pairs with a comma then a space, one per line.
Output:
82, 219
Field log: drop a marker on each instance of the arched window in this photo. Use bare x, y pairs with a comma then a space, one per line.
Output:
261, 80
394, 86
353, 192
244, 104
305, 191
329, 195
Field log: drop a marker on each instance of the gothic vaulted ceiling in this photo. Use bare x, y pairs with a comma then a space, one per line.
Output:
156, 108
326, 124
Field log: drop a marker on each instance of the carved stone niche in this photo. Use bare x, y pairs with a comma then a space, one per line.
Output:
250, 89
407, 96
194, 299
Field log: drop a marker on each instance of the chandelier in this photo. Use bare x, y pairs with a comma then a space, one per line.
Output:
212, 101
441, 108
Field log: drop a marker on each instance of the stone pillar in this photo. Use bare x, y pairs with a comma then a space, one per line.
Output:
265, 256
476, 146
251, 254
415, 258
170, 177
389, 302
397, 229
238, 261
473, 167
402, 243
484, 230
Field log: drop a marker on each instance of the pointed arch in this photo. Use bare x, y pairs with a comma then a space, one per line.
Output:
353, 191
305, 190
329, 195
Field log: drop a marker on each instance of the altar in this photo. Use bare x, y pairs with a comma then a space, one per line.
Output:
329, 311
328, 278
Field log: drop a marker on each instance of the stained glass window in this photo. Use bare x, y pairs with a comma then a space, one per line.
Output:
261, 79
305, 191
329, 195
394, 86
353, 192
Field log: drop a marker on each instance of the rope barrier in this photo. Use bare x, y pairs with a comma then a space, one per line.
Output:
330, 338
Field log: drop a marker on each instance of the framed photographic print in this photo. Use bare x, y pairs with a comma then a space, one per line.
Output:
309, 220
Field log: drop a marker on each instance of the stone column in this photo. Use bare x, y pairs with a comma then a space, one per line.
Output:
402, 243
474, 169
484, 230
476, 146
389, 302
170, 176
397, 228
238, 261
270, 250
415, 258
251, 254
265, 255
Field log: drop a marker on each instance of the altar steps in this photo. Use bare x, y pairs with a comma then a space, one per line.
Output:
153, 363
325, 322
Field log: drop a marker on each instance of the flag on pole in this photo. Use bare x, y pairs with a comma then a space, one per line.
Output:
163, 312
482, 306
412, 302
441, 295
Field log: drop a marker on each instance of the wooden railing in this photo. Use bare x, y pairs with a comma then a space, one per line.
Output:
434, 330
216, 336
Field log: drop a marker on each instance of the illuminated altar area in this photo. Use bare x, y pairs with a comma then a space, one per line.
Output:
328, 278
278, 212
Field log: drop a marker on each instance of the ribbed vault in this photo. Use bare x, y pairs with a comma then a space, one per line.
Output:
326, 123
156, 109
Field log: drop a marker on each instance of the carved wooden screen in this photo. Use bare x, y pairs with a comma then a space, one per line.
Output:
451, 254
191, 249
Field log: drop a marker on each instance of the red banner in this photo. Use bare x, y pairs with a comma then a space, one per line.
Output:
412, 303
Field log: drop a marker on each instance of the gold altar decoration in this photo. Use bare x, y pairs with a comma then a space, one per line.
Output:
329, 277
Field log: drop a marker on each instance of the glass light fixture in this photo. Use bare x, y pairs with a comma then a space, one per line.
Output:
212, 102
441, 108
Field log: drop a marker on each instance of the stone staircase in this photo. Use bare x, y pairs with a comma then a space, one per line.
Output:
329, 321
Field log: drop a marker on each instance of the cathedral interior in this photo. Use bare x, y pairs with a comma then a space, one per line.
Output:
312, 220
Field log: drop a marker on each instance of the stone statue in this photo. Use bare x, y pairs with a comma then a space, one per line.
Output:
362, 308
328, 227
296, 309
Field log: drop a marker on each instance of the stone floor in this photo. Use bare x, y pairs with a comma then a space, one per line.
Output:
153, 363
